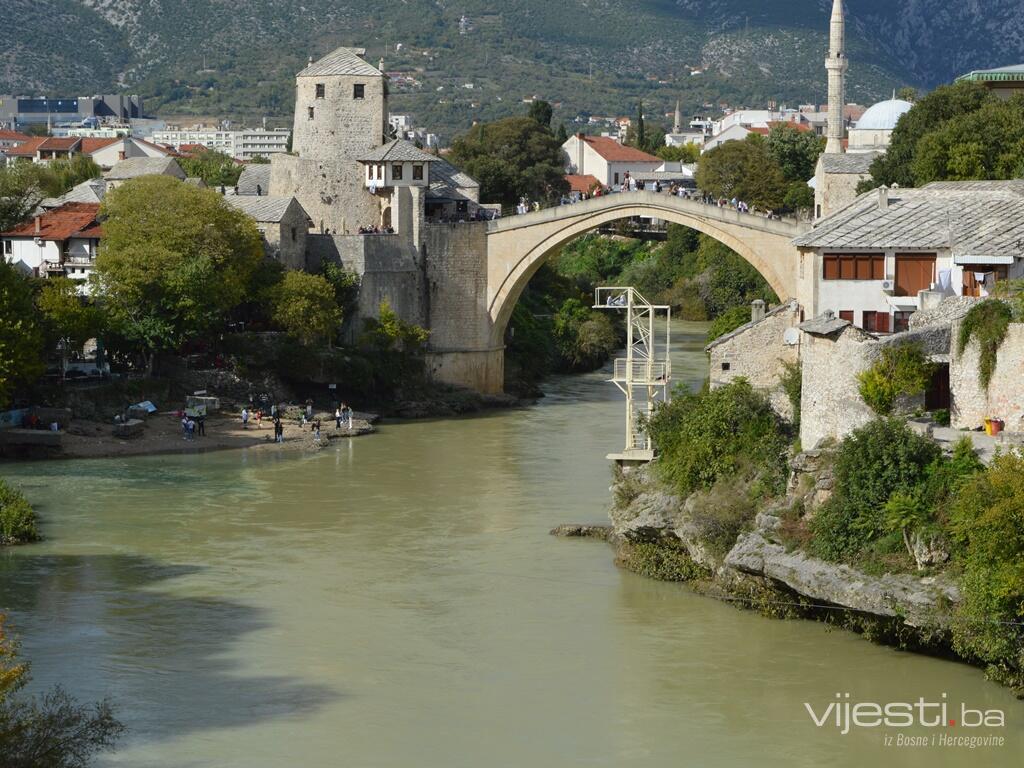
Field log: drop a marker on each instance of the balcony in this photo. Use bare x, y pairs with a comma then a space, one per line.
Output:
641, 372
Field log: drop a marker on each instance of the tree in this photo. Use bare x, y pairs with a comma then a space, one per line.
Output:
175, 261
927, 115
512, 158
69, 318
59, 176
907, 93
684, 153
743, 170
52, 730
561, 135
214, 168
542, 112
795, 151
305, 307
987, 143
21, 338
20, 192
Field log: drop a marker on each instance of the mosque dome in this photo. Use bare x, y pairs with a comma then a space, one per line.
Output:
883, 116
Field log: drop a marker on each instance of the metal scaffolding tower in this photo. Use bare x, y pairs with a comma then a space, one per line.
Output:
647, 366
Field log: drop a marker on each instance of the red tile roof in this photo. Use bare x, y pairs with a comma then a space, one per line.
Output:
90, 145
763, 130
27, 148
13, 136
614, 152
784, 123
70, 220
63, 144
582, 183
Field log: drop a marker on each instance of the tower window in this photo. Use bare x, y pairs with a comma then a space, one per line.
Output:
396, 171
310, 113
358, 91
321, 90
417, 172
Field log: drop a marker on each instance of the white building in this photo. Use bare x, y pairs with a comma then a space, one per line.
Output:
61, 242
875, 257
241, 145
606, 159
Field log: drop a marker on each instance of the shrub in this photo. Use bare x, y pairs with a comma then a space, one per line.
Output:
584, 338
792, 382
902, 369
728, 321
664, 560
873, 463
987, 322
17, 519
988, 526
721, 513
703, 436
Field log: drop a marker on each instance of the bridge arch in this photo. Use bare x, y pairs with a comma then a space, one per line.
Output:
518, 246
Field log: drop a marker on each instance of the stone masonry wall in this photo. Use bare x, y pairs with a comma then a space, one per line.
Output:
830, 405
971, 403
758, 354
330, 190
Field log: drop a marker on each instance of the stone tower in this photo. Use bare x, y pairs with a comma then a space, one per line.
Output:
836, 64
341, 113
677, 125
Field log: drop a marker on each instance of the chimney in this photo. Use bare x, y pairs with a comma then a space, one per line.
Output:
579, 153
756, 310
39, 225
883, 198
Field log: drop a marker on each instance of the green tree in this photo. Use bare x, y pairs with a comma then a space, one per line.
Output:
794, 151
584, 338
728, 321
305, 307
512, 158
686, 153
20, 192
927, 115
744, 170
58, 176
214, 168
542, 112
901, 369
175, 261
345, 285
69, 318
21, 336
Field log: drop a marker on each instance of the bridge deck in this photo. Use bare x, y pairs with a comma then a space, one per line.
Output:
655, 201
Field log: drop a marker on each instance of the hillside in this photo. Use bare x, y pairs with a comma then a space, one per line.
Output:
237, 57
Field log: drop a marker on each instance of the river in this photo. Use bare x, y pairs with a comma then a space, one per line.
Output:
396, 600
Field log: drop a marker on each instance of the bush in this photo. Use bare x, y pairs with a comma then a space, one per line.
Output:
17, 519
792, 382
872, 464
665, 560
728, 321
902, 369
584, 338
721, 513
988, 526
987, 321
701, 437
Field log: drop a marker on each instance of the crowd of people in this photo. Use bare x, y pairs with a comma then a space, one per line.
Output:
375, 230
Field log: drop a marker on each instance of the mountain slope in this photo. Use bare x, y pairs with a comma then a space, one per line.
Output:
238, 57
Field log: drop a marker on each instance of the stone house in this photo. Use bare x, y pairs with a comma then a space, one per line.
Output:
759, 352
836, 177
134, 167
879, 259
282, 222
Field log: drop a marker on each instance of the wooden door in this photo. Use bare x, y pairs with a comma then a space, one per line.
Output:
914, 272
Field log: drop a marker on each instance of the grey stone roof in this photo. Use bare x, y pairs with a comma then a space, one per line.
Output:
89, 191
134, 167
253, 175
848, 162
195, 181
398, 151
790, 305
449, 183
341, 61
265, 208
823, 325
972, 219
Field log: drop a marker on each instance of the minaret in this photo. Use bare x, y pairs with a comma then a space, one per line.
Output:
836, 64
677, 126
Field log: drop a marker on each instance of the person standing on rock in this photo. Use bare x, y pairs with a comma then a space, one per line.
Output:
245, 418
337, 417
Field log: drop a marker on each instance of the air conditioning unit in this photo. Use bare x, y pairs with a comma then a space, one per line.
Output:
888, 286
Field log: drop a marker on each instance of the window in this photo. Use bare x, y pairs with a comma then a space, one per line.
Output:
310, 113
901, 321
8, 246
616, 178
358, 91
726, 366
321, 90
914, 272
417, 173
295, 234
973, 286
876, 322
846, 314
853, 266
396, 171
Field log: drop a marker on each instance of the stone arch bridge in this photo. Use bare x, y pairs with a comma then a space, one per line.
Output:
482, 269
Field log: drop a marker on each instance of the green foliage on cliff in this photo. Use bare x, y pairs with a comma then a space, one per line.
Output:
584, 338
703, 436
987, 322
988, 525
728, 321
21, 334
901, 369
664, 560
17, 518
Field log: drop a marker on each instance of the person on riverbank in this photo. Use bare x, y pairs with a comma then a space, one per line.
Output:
190, 428
309, 410
259, 418
245, 418
337, 417
348, 416
316, 430
184, 427
278, 430
201, 425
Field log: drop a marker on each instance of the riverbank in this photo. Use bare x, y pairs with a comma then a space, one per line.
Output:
162, 434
